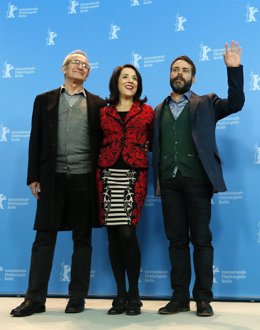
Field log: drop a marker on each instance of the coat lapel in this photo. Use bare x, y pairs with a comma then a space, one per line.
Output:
91, 106
52, 110
194, 103
135, 110
52, 105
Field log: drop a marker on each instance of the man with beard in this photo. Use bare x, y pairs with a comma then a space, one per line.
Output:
187, 171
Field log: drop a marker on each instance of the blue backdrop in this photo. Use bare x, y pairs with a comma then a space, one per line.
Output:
35, 36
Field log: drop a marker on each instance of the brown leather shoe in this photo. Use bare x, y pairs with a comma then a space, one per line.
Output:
174, 307
204, 309
28, 307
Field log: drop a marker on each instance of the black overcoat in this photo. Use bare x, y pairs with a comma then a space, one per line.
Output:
43, 152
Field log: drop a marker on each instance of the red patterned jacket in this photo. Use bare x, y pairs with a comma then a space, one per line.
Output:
126, 138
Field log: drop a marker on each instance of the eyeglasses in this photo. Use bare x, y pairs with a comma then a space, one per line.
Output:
83, 64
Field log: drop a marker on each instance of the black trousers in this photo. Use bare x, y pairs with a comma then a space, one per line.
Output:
72, 195
186, 205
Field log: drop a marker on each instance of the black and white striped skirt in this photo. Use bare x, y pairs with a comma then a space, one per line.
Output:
118, 195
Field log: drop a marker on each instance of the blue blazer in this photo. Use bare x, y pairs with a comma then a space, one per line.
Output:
205, 111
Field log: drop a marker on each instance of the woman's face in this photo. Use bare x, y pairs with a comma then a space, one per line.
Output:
127, 83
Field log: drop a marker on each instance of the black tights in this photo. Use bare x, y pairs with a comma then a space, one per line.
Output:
125, 257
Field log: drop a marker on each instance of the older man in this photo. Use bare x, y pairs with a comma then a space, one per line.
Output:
61, 175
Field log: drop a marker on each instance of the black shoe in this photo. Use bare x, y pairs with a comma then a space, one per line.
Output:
204, 309
118, 306
28, 307
133, 307
174, 307
75, 305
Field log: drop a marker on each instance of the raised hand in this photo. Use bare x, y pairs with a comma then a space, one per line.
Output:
232, 54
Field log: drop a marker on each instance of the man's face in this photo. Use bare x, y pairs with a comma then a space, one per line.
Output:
181, 77
77, 69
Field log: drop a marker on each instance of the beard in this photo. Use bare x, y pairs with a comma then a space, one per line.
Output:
180, 86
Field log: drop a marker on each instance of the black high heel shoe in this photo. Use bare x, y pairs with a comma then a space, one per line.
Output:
133, 307
118, 306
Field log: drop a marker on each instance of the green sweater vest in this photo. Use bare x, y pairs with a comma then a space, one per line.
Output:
178, 148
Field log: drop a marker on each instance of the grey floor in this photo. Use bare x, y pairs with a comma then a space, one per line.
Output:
228, 315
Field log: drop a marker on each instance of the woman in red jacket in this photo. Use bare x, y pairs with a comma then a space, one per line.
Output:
126, 126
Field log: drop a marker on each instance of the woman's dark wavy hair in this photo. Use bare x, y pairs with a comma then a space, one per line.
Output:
113, 85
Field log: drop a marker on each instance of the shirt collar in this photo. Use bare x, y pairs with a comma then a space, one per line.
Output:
82, 92
186, 96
